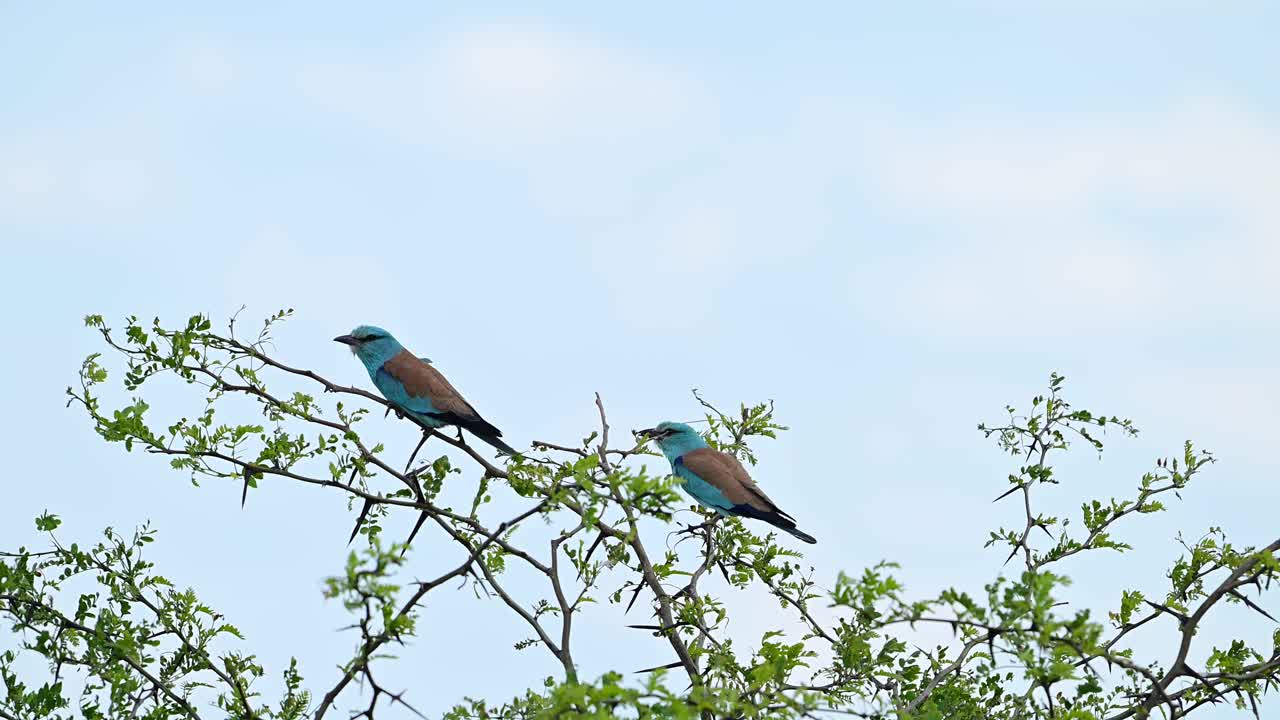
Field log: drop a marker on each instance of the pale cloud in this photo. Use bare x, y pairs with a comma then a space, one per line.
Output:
85, 179
578, 125
1029, 291
1001, 165
1031, 223
508, 87
1025, 204
526, 81
207, 69
683, 253
1228, 408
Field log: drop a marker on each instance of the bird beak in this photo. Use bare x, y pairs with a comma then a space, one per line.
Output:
347, 340
647, 433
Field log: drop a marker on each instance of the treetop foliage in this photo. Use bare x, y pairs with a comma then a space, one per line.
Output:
96, 630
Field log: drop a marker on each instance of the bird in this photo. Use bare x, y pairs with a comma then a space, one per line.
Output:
415, 387
716, 479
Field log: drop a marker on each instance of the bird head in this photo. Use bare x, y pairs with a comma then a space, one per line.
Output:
373, 345
674, 438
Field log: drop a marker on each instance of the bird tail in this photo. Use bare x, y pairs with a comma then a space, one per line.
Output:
495, 441
484, 430
477, 426
776, 518
802, 535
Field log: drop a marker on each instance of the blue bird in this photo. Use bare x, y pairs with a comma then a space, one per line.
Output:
716, 479
415, 387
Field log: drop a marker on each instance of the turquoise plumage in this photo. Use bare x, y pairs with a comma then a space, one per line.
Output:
415, 387
717, 480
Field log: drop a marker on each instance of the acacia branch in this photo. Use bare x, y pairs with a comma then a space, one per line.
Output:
67, 623
371, 645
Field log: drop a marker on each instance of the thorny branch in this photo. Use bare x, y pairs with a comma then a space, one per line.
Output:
1021, 625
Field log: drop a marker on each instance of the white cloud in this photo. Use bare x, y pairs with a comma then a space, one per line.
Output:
1228, 408
209, 70
90, 179
498, 87
1024, 292
1031, 216
525, 81
1205, 151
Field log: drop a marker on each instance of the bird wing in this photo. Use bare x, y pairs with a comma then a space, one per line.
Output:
726, 474
751, 487
701, 489
424, 389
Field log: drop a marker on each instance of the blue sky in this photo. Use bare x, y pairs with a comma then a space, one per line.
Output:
890, 219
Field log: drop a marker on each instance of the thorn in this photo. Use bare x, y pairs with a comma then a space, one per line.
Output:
360, 521
636, 594
244, 494
587, 559
1015, 550
400, 699
691, 529
416, 527
425, 437
479, 581
1166, 609
1252, 605
668, 666
1006, 494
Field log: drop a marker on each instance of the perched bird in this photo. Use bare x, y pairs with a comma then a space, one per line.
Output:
716, 479
415, 387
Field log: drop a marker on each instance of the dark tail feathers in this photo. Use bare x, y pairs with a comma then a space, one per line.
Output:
776, 518
502, 447
802, 535
479, 427
482, 429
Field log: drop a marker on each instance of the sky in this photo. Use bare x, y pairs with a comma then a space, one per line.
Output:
890, 219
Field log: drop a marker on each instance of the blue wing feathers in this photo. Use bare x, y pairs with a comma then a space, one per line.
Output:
710, 496
701, 490
393, 390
